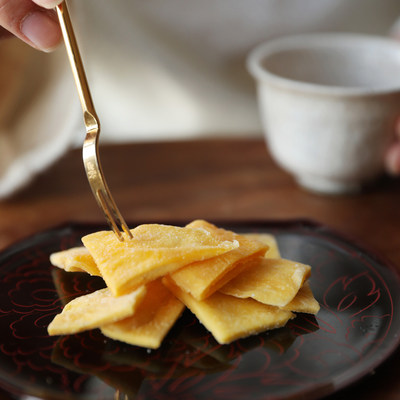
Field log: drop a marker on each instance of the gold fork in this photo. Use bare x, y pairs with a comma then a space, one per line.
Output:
90, 153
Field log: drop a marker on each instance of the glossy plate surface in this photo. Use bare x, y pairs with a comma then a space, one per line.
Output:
311, 357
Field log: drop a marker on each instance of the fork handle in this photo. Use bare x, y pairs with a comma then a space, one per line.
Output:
77, 65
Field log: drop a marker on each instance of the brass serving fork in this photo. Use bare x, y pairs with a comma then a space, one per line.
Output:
90, 146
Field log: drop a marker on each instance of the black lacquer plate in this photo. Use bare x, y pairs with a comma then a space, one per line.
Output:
356, 330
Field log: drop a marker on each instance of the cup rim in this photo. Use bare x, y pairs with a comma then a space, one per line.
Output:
260, 52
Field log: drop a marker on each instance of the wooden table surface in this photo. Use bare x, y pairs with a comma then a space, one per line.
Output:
232, 180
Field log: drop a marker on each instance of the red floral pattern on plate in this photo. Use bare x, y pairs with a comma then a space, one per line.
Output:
312, 356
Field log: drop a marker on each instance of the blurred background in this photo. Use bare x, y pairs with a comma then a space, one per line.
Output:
158, 70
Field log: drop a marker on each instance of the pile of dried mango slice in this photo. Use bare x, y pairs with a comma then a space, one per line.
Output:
237, 285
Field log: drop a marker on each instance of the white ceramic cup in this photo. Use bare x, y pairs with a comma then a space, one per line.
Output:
328, 104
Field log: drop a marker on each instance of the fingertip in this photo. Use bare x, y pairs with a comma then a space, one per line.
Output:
392, 160
42, 31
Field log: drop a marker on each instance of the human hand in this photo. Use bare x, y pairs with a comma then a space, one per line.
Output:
392, 156
32, 21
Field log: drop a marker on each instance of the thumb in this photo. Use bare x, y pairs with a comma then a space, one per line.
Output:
392, 156
34, 25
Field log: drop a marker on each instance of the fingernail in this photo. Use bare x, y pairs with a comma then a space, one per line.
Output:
41, 30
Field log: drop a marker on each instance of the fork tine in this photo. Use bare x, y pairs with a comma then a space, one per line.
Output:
90, 146
112, 214
99, 186
97, 181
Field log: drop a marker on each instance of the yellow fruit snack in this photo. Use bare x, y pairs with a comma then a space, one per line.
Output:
77, 259
270, 281
94, 310
304, 302
203, 278
154, 251
237, 285
229, 318
152, 320
269, 240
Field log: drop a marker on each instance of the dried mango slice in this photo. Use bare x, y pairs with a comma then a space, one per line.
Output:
76, 259
273, 281
152, 320
203, 278
269, 240
94, 310
154, 251
229, 318
304, 302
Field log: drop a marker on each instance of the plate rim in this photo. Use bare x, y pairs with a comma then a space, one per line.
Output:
340, 382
